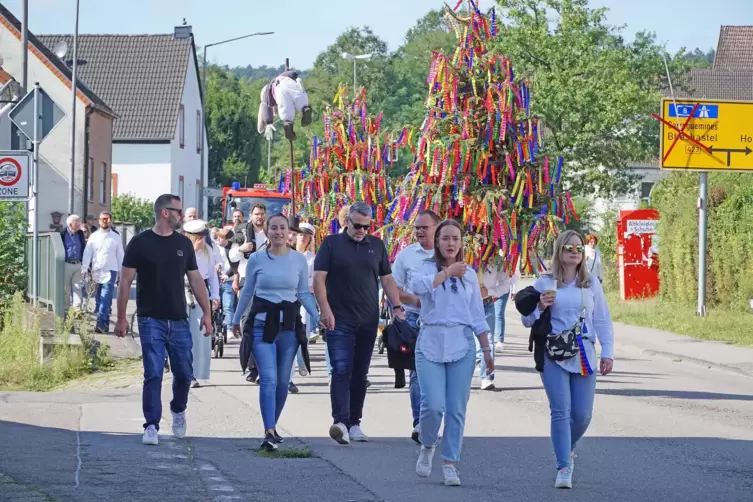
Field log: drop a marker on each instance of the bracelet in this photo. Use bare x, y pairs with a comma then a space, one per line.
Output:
486, 349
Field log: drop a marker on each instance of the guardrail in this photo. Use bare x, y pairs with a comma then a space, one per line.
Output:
51, 271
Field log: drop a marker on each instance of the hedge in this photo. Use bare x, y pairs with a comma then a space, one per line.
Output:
729, 255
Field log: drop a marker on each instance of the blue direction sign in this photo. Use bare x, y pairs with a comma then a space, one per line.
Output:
50, 114
703, 112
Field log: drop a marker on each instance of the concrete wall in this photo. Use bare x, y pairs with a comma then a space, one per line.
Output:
100, 152
142, 169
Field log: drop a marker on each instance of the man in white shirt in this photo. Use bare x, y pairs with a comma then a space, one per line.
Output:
407, 260
256, 239
103, 258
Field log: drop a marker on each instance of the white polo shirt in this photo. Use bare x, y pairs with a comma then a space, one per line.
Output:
408, 260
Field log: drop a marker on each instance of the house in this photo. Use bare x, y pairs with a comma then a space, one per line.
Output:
730, 78
94, 126
152, 83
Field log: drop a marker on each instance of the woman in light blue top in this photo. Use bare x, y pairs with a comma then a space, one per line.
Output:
576, 302
277, 280
451, 312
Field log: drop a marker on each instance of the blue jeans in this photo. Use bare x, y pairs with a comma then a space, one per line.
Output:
104, 302
274, 361
499, 317
159, 337
350, 347
327, 361
489, 313
571, 401
413, 386
445, 389
229, 301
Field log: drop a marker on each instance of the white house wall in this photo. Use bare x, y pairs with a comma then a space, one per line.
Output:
626, 201
186, 161
142, 170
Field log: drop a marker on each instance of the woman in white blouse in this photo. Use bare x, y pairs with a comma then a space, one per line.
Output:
451, 312
196, 231
577, 305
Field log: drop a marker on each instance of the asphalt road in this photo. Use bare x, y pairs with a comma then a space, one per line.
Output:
661, 430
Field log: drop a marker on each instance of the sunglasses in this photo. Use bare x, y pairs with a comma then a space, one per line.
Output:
175, 209
571, 248
454, 284
423, 228
358, 226
105, 220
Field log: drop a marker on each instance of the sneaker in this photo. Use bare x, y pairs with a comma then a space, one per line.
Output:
451, 477
339, 433
356, 434
306, 116
269, 444
303, 371
151, 436
179, 425
278, 438
564, 478
416, 433
423, 464
195, 383
499, 347
487, 384
292, 388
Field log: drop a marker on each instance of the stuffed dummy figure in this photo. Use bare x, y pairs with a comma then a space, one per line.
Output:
285, 96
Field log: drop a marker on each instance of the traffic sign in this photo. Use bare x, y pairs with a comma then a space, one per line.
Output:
706, 135
50, 114
14, 175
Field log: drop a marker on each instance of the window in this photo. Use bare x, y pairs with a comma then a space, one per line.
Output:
646, 188
181, 190
199, 127
182, 126
198, 200
114, 186
90, 181
102, 183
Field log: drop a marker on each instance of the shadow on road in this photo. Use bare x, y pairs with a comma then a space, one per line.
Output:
675, 394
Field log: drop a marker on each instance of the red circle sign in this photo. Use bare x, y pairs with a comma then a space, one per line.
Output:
10, 171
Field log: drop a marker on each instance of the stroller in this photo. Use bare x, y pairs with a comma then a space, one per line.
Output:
219, 332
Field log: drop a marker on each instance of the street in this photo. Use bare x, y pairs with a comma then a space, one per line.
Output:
662, 430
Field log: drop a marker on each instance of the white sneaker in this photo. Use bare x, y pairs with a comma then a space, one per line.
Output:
564, 478
339, 433
487, 384
499, 347
303, 371
151, 436
179, 424
423, 464
356, 434
451, 477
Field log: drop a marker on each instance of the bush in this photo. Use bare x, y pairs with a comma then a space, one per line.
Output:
730, 239
13, 226
131, 209
608, 246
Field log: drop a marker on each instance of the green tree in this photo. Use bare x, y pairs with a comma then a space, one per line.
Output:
595, 91
129, 208
13, 227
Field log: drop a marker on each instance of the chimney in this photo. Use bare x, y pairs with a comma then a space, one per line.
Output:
182, 32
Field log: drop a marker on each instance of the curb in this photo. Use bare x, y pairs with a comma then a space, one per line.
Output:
696, 361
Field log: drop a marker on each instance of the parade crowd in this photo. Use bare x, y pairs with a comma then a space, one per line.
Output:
264, 281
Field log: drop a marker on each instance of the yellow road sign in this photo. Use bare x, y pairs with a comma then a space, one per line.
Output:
716, 135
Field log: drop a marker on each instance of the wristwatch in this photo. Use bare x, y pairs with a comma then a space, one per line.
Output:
398, 307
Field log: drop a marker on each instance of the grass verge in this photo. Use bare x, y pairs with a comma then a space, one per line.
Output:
20, 368
287, 453
720, 325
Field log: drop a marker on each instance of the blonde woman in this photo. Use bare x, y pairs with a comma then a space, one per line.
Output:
196, 231
579, 315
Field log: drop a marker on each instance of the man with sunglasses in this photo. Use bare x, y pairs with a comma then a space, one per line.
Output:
102, 259
408, 259
162, 257
347, 272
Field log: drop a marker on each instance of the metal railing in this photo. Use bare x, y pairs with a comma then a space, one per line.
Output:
51, 271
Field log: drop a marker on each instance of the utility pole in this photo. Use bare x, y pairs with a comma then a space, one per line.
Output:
72, 174
24, 45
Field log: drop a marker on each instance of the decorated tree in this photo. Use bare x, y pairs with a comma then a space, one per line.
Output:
480, 156
349, 163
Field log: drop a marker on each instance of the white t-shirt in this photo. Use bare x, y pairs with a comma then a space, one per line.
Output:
408, 260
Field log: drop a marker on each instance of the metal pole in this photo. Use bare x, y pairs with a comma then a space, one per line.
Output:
35, 198
203, 123
292, 162
354, 76
269, 157
702, 227
25, 45
72, 174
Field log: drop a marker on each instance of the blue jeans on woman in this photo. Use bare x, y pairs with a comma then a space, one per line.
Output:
229, 301
571, 401
489, 313
274, 361
445, 389
499, 319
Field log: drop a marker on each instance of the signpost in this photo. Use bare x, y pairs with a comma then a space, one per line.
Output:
705, 135
35, 116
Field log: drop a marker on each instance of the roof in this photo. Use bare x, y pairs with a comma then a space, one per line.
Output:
718, 84
140, 76
58, 66
735, 48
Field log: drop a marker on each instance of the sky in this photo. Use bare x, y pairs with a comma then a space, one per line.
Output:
304, 28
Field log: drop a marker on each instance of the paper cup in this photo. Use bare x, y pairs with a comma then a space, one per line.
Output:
548, 283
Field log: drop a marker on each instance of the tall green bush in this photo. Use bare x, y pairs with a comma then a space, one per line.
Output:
729, 257
13, 226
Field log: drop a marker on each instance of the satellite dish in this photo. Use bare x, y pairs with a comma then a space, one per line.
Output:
61, 49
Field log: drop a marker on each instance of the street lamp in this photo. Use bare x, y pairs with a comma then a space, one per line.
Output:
204, 99
351, 57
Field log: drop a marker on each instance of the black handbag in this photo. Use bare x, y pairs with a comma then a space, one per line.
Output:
400, 337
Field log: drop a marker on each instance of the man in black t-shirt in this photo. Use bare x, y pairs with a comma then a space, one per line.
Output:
347, 271
161, 258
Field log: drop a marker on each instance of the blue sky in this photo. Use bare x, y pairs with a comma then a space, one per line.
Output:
303, 28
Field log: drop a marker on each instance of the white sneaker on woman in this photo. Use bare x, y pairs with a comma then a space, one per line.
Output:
423, 464
564, 478
451, 476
